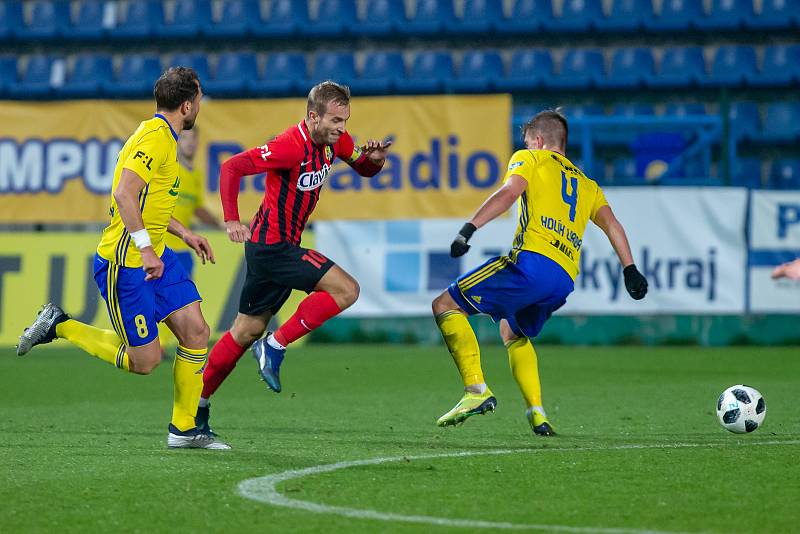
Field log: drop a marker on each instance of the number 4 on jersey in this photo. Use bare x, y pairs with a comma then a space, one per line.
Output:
570, 198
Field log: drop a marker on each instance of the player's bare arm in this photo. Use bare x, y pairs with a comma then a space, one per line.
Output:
208, 218
498, 203
126, 195
231, 174
198, 243
635, 282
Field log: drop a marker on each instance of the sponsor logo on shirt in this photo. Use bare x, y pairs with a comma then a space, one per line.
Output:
515, 165
147, 160
173, 191
312, 180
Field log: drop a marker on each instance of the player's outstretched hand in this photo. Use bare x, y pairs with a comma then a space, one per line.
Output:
200, 245
789, 270
459, 246
237, 232
635, 282
151, 264
376, 150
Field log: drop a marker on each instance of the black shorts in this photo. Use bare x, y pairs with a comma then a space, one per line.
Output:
274, 270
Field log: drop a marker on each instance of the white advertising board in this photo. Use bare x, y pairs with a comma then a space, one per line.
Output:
689, 243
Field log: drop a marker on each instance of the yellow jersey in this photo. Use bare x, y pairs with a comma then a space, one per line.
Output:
555, 206
152, 153
190, 197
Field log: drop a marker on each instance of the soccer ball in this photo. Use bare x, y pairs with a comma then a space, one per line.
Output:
741, 409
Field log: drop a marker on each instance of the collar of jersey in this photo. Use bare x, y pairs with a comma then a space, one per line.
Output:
304, 129
163, 118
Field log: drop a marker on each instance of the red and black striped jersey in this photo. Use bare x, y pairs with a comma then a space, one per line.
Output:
296, 168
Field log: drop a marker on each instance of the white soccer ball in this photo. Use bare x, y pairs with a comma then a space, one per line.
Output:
741, 409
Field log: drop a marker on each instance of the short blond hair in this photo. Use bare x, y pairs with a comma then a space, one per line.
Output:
551, 125
324, 93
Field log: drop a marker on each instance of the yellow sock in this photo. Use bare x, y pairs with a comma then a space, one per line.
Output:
103, 344
524, 367
187, 376
463, 346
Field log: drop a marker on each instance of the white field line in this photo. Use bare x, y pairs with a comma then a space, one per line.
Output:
264, 489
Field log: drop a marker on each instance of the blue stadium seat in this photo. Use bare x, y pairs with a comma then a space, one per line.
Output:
696, 172
577, 112
198, 61
781, 67
189, 18
684, 110
785, 174
430, 17
136, 77
623, 171
680, 67
776, 14
8, 73
140, 20
781, 123
235, 20
727, 15
47, 22
679, 15
334, 19
624, 136
380, 73
580, 69
529, 16
578, 15
529, 69
732, 66
284, 74
630, 68
479, 72
88, 25
522, 113
381, 18
627, 16
580, 111
233, 76
633, 110
747, 173
37, 78
10, 19
337, 66
90, 74
429, 73
744, 121
286, 17
597, 172
480, 16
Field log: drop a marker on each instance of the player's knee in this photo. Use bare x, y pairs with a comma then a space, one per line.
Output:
199, 334
441, 303
346, 293
352, 292
143, 366
246, 333
507, 333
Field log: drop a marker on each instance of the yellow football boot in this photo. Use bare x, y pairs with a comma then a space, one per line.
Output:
469, 405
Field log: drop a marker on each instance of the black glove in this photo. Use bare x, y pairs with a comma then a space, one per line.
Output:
635, 282
459, 246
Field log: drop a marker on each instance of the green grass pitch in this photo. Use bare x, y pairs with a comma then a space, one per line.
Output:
83, 445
